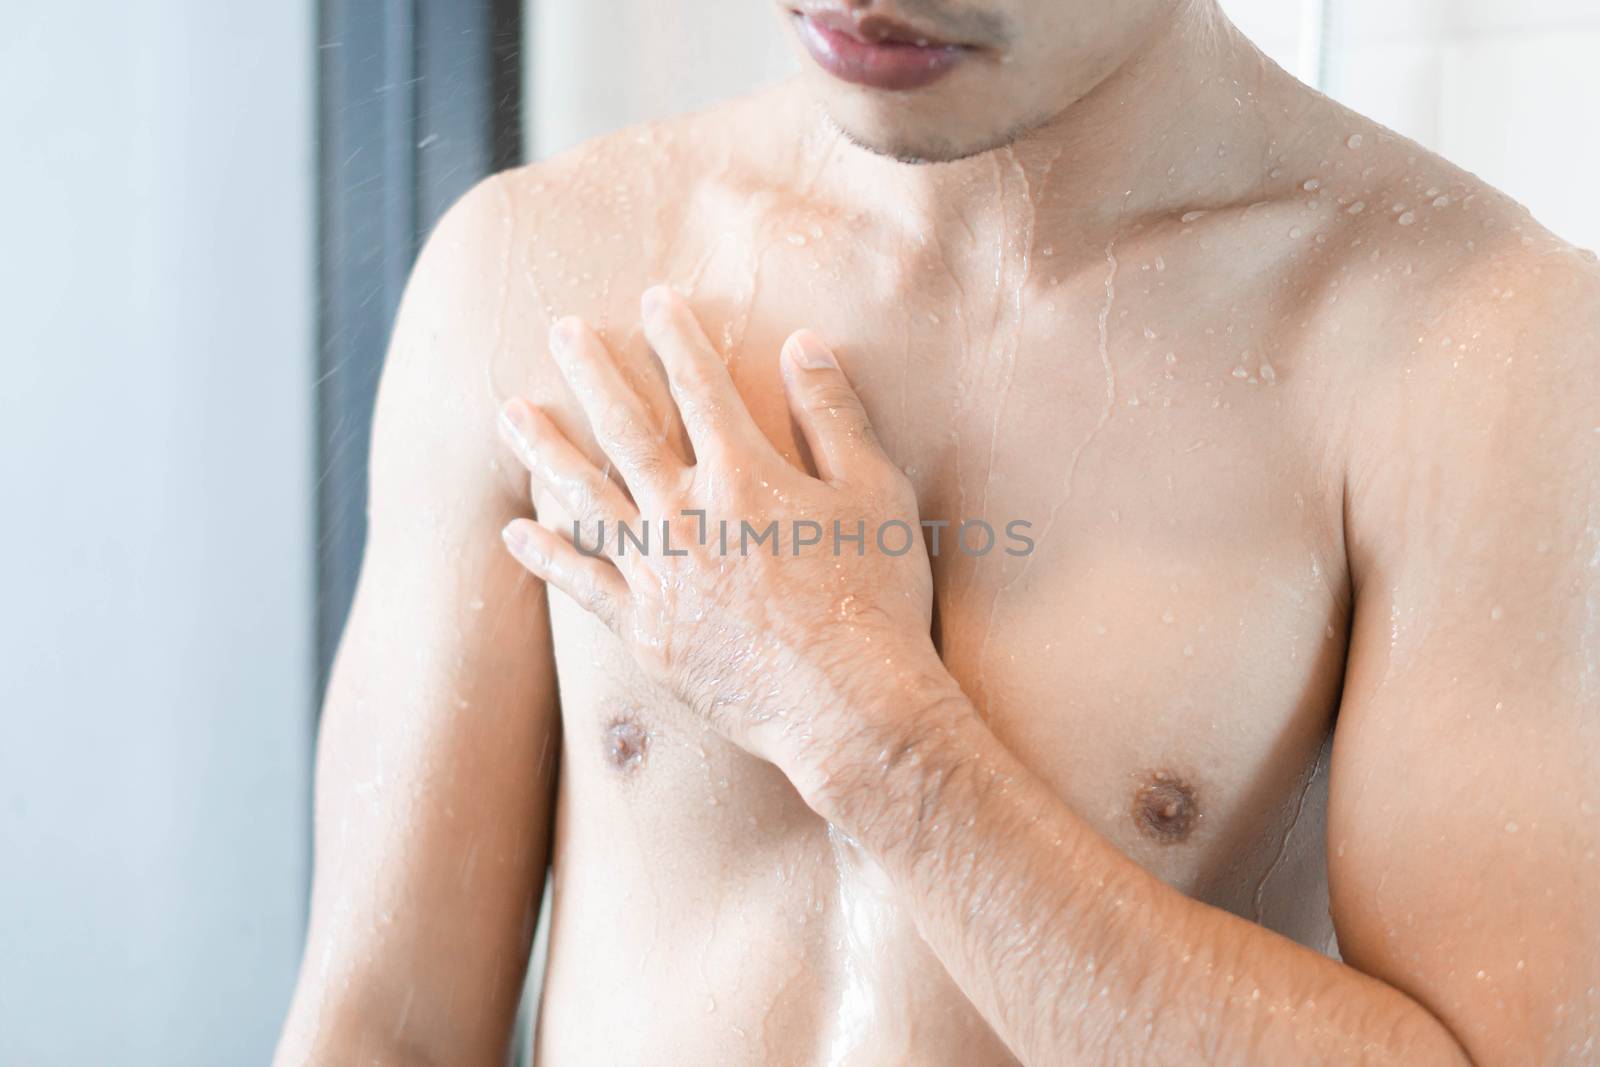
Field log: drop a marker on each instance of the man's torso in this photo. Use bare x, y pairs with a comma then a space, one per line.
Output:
1165, 406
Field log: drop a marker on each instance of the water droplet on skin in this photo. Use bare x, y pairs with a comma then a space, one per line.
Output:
1356, 208
1240, 373
1161, 264
1192, 216
1497, 613
1441, 201
1407, 218
1296, 233
797, 239
1354, 142
1312, 185
1268, 375
1511, 828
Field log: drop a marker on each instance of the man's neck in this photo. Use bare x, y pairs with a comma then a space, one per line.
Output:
1191, 121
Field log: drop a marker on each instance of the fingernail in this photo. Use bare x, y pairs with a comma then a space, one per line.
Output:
810, 353
525, 548
515, 537
514, 428
562, 334
654, 301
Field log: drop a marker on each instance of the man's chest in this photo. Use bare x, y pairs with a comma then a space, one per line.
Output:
1134, 532
1138, 571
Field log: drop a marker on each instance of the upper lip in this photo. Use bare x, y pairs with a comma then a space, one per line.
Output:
873, 29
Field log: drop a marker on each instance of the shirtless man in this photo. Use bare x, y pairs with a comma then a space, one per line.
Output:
1304, 424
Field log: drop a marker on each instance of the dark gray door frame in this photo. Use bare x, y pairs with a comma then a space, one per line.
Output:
417, 100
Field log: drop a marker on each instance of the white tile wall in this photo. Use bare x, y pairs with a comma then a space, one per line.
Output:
596, 65
1516, 109
1481, 16
1504, 89
1395, 81
1365, 22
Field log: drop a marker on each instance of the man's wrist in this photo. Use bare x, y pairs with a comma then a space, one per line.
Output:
901, 735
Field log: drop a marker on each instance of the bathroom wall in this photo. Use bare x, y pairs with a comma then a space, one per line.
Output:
595, 65
155, 436
1507, 90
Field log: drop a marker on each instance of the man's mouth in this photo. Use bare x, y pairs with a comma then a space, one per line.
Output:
876, 51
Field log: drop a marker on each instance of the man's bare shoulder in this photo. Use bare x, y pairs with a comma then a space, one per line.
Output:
1426, 269
585, 231
1481, 293
581, 233
647, 182
1471, 335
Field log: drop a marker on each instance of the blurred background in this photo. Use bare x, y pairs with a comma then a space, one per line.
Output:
211, 209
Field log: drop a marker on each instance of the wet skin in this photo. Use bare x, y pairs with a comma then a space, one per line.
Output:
1269, 431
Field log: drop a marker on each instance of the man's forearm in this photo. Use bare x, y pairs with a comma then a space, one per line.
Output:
1074, 953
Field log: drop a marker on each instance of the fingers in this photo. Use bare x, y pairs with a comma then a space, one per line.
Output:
827, 410
582, 490
593, 583
623, 425
712, 410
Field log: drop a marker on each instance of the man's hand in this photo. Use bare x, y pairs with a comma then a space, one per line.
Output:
790, 610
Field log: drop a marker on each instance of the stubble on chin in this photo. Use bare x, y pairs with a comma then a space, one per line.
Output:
929, 149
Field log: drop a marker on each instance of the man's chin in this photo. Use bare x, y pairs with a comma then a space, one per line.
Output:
919, 150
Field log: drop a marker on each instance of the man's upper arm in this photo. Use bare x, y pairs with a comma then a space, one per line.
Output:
438, 740
1465, 820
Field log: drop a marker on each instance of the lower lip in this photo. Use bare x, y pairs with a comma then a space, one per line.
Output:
884, 65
